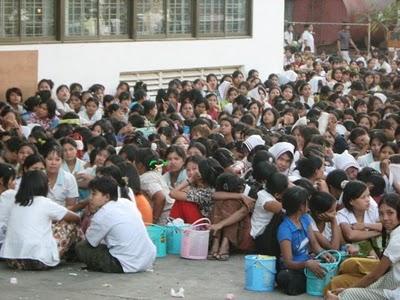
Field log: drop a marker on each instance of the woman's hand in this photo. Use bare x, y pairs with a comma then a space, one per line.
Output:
328, 216
322, 186
215, 228
315, 267
385, 167
328, 257
248, 201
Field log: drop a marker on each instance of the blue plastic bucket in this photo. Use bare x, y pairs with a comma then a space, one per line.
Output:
316, 285
260, 273
158, 236
174, 238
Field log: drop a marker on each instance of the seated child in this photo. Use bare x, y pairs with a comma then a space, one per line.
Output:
117, 222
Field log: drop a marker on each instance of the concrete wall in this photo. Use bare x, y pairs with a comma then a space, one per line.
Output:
89, 63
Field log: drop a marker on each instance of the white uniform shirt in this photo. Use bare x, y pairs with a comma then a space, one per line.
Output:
152, 182
260, 217
63, 106
392, 252
7, 200
65, 187
371, 216
29, 233
120, 226
86, 120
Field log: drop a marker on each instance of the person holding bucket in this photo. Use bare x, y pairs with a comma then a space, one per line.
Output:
385, 277
297, 241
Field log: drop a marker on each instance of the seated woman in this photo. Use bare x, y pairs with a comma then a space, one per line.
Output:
268, 207
231, 221
116, 240
382, 166
153, 185
284, 155
311, 168
186, 210
359, 219
323, 223
384, 277
199, 188
297, 241
176, 173
29, 243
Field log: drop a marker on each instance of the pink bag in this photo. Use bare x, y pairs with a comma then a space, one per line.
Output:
195, 240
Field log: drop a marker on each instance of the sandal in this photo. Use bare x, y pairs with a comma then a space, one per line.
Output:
212, 256
223, 257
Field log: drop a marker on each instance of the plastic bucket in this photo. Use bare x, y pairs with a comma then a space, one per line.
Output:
260, 271
158, 235
316, 285
195, 240
174, 237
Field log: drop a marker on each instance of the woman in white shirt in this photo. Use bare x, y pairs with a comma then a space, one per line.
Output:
91, 114
7, 196
324, 224
29, 242
63, 189
384, 280
359, 219
267, 206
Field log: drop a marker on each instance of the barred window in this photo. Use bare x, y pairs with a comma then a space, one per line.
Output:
27, 18
150, 17
96, 17
235, 16
179, 17
211, 17
113, 17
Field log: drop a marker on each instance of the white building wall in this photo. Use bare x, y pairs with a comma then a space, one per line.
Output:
90, 63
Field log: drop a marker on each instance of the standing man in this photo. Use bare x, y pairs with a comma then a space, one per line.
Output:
344, 41
307, 38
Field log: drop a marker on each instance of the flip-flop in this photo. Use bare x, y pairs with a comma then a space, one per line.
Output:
212, 256
223, 257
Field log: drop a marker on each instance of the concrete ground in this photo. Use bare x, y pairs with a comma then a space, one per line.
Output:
200, 279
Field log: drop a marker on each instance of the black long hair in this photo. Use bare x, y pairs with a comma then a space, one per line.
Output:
33, 183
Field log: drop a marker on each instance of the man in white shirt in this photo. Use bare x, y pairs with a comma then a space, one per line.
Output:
307, 38
116, 240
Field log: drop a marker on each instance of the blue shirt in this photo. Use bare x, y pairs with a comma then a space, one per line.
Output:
298, 237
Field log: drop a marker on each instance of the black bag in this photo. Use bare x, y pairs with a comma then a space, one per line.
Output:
267, 243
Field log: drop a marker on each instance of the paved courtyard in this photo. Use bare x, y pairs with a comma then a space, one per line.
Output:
200, 279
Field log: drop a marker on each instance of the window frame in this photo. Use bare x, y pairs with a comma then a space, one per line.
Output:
131, 36
98, 37
33, 39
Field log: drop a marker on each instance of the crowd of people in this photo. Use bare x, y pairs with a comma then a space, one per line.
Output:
304, 161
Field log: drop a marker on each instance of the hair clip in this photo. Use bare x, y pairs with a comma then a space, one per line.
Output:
41, 141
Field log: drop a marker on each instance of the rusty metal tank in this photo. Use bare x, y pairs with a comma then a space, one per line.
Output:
334, 11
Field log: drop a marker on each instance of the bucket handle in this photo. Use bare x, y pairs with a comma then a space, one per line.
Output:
201, 220
255, 262
155, 225
337, 253
201, 224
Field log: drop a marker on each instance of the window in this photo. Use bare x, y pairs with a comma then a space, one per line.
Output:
179, 17
27, 18
124, 19
223, 17
150, 17
236, 16
211, 17
96, 17
163, 17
